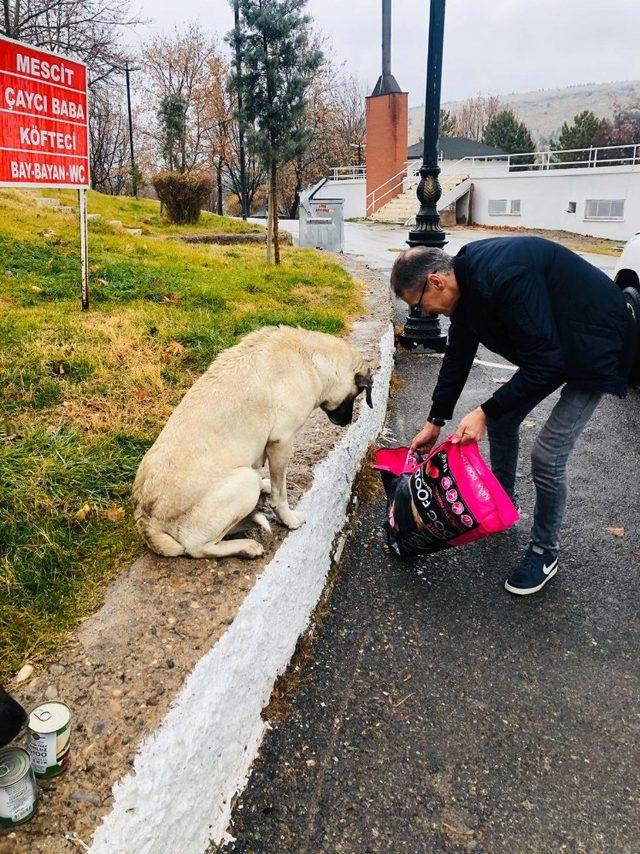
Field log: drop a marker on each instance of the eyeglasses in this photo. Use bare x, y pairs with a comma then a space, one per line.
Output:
424, 288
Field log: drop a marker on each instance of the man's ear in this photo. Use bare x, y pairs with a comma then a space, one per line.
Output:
436, 280
364, 380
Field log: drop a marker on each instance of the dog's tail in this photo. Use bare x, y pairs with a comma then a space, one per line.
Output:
158, 540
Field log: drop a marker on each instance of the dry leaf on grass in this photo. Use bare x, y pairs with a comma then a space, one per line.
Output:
83, 512
611, 529
174, 299
114, 513
175, 348
143, 395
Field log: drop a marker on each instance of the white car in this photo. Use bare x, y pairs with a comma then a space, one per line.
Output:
627, 276
627, 270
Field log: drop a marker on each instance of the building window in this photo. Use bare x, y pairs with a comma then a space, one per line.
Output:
604, 209
572, 207
497, 207
504, 207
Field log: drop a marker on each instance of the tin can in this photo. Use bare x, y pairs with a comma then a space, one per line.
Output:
49, 738
18, 790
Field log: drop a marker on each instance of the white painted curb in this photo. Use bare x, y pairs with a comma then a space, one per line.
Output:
186, 774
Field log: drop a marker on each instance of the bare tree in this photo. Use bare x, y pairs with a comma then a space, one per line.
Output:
474, 114
335, 117
110, 172
179, 66
218, 116
256, 174
347, 109
89, 30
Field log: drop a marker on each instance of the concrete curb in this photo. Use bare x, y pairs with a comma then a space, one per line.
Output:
187, 773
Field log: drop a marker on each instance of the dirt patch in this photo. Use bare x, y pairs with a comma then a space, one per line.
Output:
573, 241
128, 661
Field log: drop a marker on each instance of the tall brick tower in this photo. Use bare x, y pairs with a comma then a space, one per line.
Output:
387, 127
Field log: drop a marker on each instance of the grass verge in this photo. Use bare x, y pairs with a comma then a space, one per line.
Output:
83, 395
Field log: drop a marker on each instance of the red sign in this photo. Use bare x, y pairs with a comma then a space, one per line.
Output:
44, 122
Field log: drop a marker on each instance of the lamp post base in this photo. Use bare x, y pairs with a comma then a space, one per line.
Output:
422, 330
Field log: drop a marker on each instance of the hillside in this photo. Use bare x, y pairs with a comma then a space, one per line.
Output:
83, 394
545, 110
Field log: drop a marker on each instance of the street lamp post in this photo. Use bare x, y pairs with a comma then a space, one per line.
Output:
126, 69
243, 172
424, 330
134, 177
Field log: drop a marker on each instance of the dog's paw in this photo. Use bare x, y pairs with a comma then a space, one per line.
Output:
291, 519
251, 549
265, 486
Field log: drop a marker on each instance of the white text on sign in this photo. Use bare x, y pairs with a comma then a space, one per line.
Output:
54, 139
18, 99
48, 172
43, 69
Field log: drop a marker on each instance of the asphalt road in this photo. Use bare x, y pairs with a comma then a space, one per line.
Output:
438, 712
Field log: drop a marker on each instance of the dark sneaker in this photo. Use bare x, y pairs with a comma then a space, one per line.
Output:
536, 568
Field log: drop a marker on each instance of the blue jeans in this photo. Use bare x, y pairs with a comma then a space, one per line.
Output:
549, 456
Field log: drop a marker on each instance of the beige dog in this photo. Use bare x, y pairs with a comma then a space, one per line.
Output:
199, 482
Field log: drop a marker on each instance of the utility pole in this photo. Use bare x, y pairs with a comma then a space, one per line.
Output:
126, 69
134, 184
243, 174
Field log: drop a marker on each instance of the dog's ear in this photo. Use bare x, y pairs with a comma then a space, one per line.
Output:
364, 380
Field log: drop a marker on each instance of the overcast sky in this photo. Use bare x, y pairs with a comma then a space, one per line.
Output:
491, 46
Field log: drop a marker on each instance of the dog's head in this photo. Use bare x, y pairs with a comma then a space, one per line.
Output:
345, 380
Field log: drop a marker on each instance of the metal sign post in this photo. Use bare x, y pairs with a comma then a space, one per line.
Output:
44, 127
84, 248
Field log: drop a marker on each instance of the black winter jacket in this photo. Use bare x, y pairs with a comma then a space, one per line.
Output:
545, 309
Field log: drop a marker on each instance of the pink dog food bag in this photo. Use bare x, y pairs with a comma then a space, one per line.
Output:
448, 499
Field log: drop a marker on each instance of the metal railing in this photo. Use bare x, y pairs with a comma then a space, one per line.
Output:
525, 161
567, 158
389, 189
347, 173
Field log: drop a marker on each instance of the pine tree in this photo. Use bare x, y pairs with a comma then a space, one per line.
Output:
278, 64
587, 130
172, 116
505, 131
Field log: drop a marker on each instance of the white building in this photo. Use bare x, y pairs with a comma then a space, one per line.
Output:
588, 191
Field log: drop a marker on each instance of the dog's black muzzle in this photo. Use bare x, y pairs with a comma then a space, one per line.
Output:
343, 414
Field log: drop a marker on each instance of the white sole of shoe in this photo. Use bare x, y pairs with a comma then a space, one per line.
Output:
520, 592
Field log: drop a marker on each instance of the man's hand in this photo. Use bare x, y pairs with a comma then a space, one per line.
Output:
472, 427
425, 440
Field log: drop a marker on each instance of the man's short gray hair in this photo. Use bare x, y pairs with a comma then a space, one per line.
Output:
414, 265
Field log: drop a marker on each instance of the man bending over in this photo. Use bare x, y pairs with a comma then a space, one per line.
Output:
562, 321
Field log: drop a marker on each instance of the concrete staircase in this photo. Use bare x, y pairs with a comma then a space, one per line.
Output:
403, 207
57, 206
